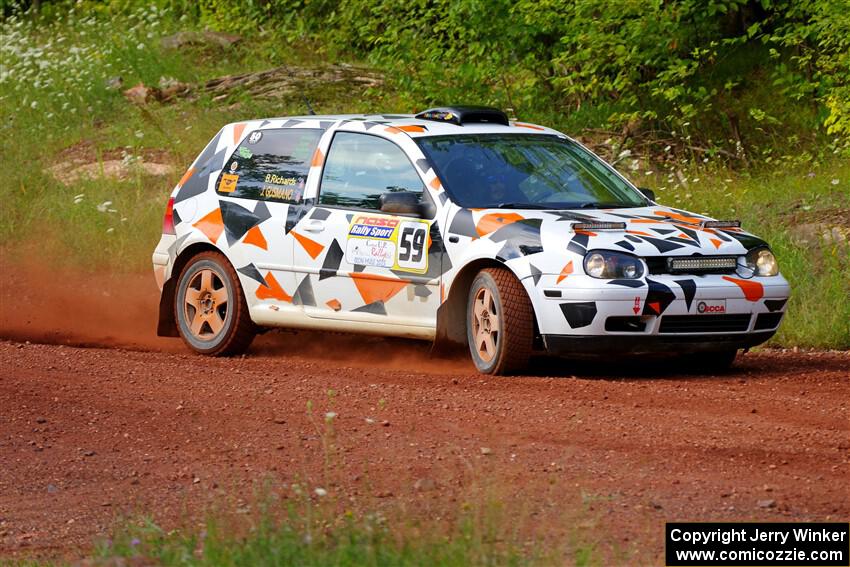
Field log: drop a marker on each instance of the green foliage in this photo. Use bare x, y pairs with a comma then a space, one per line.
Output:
649, 64
738, 71
817, 36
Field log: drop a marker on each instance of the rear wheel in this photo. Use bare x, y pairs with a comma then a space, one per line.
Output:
500, 324
210, 309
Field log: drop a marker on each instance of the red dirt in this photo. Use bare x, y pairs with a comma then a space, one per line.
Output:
88, 435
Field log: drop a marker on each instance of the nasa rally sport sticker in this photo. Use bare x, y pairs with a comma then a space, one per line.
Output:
387, 242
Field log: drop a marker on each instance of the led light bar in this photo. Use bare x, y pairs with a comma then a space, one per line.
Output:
599, 226
702, 263
720, 224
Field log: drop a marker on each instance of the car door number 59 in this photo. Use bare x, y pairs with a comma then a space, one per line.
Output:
412, 253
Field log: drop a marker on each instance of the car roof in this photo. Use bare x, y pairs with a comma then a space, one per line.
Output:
416, 127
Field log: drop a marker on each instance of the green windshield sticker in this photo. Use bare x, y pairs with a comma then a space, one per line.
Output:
245, 153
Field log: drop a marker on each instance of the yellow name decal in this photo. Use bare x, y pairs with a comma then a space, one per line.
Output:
277, 193
278, 180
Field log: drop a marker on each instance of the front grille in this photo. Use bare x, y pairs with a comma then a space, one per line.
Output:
767, 321
704, 323
691, 264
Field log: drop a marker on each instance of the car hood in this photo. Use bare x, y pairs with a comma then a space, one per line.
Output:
648, 231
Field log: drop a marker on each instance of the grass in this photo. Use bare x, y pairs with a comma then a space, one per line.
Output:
54, 96
305, 539
304, 524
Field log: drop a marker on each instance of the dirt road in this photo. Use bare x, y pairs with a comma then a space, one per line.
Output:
88, 435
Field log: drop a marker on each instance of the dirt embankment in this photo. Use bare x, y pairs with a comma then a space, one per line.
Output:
134, 424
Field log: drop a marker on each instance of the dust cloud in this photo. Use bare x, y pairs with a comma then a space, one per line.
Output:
49, 304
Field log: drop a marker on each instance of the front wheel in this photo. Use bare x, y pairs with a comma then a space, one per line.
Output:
500, 322
210, 309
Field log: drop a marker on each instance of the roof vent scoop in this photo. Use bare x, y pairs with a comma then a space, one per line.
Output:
461, 115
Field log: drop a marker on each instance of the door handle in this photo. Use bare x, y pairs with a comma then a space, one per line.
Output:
315, 226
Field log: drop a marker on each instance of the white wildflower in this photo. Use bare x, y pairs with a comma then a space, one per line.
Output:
108, 230
834, 182
104, 206
321, 492
330, 415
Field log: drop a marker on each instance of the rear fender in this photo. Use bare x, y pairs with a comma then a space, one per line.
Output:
167, 326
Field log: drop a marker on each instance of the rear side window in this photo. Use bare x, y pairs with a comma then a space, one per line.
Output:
360, 167
270, 165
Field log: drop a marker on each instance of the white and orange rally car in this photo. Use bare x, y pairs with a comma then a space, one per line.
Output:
456, 226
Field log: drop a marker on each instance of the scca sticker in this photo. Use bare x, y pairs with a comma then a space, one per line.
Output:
228, 183
387, 242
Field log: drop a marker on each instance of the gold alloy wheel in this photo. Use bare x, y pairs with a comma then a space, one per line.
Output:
206, 304
485, 324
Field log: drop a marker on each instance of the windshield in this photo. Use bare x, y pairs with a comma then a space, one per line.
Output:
525, 171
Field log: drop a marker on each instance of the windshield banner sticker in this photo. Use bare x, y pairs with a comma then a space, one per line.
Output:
386, 242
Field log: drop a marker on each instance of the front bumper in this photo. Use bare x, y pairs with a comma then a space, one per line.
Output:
581, 314
588, 345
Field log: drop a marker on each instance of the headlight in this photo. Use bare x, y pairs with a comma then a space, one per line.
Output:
607, 265
758, 262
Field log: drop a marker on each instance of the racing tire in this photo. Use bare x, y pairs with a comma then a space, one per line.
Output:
210, 309
499, 322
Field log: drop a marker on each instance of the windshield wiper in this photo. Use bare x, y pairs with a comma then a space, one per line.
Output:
517, 206
606, 206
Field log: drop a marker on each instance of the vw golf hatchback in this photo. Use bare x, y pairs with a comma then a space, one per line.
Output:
455, 225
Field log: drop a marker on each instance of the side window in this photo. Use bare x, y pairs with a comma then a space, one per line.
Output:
360, 167
270, 165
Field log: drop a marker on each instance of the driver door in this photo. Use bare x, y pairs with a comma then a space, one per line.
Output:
373, 265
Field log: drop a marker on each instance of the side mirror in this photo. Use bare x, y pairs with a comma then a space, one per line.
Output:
648, 193
401, 203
